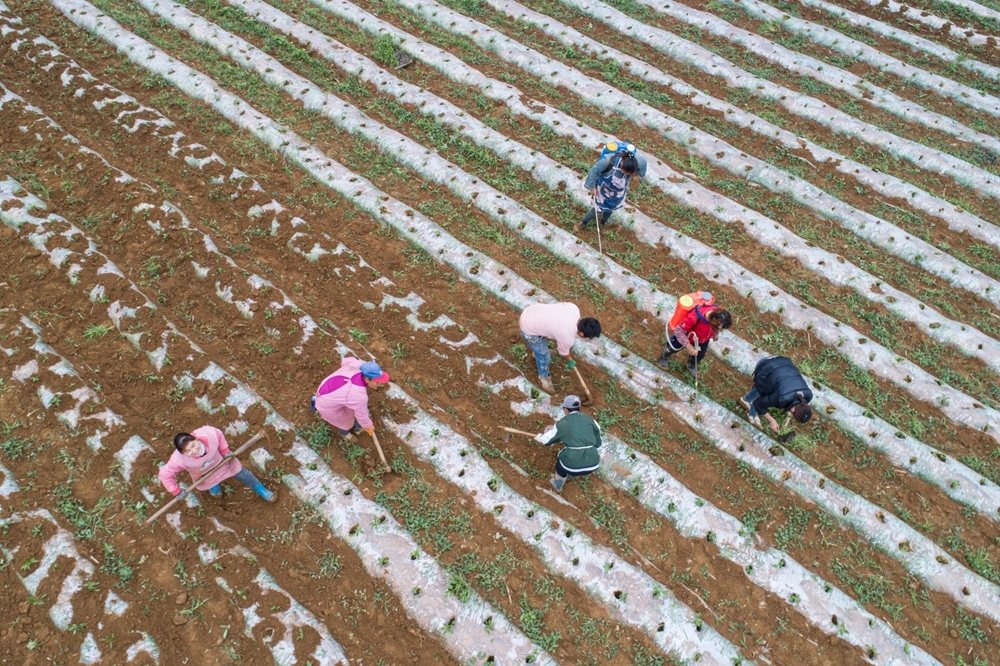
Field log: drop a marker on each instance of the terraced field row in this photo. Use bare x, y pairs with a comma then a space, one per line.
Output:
431, 172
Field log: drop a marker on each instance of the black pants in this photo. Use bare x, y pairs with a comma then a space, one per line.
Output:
566, 474
673, 347
591, 216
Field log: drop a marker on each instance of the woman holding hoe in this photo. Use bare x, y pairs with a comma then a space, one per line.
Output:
198, 452
342, 398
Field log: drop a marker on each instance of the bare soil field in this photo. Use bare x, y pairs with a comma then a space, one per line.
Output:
207, 204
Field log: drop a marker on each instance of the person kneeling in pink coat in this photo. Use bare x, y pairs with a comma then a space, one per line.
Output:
199, 451
342, 398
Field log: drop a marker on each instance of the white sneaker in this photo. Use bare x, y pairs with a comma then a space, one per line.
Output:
547, 384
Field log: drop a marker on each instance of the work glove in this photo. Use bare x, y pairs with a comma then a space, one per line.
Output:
538, 438
755, 419
570, 364
370, 431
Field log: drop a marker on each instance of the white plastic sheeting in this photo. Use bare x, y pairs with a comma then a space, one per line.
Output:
835, 41
689, 54
242, 400
385, 548
639, 477
60, 544
925, 559
631, 596
413, 225
915, 42
866, 226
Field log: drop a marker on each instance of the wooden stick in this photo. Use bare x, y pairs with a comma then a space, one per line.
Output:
583, 384
518, 432
380, 454
232, 454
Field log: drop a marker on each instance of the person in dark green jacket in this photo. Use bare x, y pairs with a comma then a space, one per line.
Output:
580, 436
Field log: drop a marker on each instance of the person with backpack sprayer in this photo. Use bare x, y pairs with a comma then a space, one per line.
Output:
696, 322
198, 452
561, 322
608, 181
778, 383
580, 436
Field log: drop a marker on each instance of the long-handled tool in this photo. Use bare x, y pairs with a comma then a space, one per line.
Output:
586, 389
518, 432
597, 221
232, 454
380, 454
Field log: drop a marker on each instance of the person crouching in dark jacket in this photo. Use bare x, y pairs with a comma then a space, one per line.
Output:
778, 383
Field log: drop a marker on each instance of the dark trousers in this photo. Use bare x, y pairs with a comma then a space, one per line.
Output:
566, 474
591, 216
673, 347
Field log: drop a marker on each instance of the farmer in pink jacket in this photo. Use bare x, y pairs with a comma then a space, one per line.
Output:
199, 451
342, 398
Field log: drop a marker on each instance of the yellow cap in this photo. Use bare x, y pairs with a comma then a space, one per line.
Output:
612, 146
686, 301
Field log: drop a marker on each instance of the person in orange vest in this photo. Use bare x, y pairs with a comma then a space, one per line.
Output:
696, 322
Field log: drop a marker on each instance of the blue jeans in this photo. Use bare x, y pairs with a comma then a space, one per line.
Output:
539, 346
750, 397
245, 477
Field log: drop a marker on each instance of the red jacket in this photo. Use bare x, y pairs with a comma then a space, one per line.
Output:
698, 327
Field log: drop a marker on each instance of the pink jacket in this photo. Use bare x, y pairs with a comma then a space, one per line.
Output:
343, 397
215, 448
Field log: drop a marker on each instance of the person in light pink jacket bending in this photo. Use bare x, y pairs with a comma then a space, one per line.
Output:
199, 451
342, 398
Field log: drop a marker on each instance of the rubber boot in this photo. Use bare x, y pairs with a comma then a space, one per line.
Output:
557, 482
692, 366
215, 491
665, 355
265, 493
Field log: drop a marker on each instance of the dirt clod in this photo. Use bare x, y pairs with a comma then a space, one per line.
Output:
181, 599
180, 619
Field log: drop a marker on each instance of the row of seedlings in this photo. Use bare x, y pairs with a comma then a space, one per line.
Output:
630, 470
957, 407
922, 558
689, 54
831, 333
63, 375
961, 483
836, 77
442, 321
866, 226
388, 552
166, 227
695, 640
47, 543
915, 42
